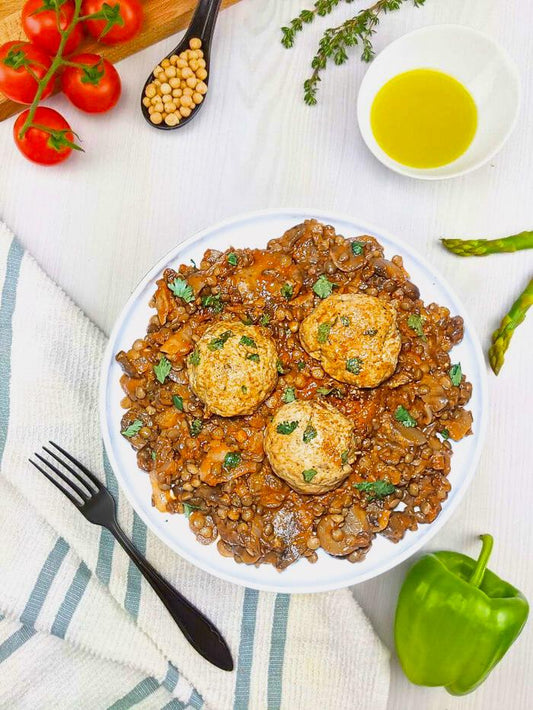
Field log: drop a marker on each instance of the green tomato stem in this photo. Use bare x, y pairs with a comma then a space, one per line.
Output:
483, 559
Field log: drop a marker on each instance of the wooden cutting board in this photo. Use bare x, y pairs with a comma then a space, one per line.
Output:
161, 19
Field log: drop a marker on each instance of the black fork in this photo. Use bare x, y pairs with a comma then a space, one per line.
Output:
96, 504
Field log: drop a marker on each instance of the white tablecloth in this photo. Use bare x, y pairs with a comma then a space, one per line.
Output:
98, 222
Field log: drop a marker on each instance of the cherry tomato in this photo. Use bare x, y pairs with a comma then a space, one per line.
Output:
17, 61
119, 20
50, 143
95, 87
39, 20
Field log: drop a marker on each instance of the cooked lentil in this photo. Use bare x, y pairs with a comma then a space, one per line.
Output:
255, 516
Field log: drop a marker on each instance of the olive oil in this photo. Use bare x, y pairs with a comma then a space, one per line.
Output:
423, 118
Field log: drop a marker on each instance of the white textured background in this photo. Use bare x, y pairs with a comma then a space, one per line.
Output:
98, 222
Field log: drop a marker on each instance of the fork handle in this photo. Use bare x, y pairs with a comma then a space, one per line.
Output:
197, 629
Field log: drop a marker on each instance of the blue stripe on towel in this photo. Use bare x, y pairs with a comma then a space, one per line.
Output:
277, 650
7, 308
196, 701
107, 541
15, 641
246, 648
70, 603
174, 704
171, 679
141, 691
133, 591
44, 582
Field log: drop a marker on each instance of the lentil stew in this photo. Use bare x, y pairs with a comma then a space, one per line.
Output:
214, 469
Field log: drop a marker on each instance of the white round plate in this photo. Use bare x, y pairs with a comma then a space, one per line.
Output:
475, 60
254, 230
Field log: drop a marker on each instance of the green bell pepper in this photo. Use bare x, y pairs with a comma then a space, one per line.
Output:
455, 620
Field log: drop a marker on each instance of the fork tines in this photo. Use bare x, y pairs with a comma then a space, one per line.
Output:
78, 495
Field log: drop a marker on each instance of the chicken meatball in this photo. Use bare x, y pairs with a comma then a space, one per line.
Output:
233, 368
311, 445
355, 337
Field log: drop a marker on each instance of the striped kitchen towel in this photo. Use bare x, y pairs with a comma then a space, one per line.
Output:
79, 627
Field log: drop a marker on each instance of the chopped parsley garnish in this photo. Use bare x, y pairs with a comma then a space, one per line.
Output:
232, 259
181, 289
402, 415
247, 320
279, 367
288, 395
286, 291
345, 321
244, 389
250, 342
178, 402
195, 427
132, 429
376, 489
370, 331
232, 459
456, 374
323, 332
265, 319
357, 248
309, 433
309, 474
219, 342
324, 391
353, 365
162, 369
194, 357
214, 302
323, 286
344, 457
252, 356
300, 365
445, 434
153, 456
415, 322
188, 508
286, 427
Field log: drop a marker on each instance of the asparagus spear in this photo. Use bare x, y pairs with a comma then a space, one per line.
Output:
482, 247
502, 336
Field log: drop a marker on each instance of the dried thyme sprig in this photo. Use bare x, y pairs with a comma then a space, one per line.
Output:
335, 41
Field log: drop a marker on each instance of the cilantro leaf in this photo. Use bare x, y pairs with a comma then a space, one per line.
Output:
323, 332
353, 365
286, 427
214, 302
162, 369
357, 247
232, 459
309, 474
445, 434
300, 365
194, 357
376, 489
181, 289
335, 391
309, 433
456, 374
415, 322
402, 415
219, 342
132, 429
287, 290
250, 342
265, 319
344, 457
345, 321
178, 402
244, 389
288, 395
254, 357
195, 427
188, 508
279, 367
323, 286
232, 259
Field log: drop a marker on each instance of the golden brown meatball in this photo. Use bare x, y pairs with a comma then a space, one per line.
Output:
355, 337
233, 368
310, 445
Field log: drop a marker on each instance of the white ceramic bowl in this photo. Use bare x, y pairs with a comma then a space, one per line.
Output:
254, 230
475, 60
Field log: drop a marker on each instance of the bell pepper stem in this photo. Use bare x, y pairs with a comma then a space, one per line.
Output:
483, 559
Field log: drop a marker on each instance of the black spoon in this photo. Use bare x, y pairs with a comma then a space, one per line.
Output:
201, 27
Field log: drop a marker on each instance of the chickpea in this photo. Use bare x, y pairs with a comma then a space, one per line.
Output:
191, 82
183, 55
147, 102
158, 69
172, 119
170, 107
174, 59
155, 100
195, 43
166, 88
165, 63
201, 74
174, 83
193, 54
159, 108
170, 71
156, 82
151, 110
193, 64
185, 112
166, 98
186, 101
201, 64
156, 117
187, 72
197, 98
201, 88
150, 91
200, 53
176, 93
181, 63
187, 91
